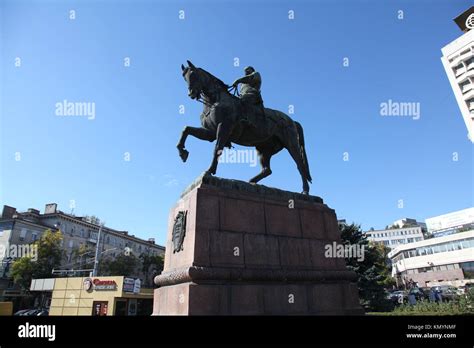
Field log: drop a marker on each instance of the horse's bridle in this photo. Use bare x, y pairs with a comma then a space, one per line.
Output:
236, 91
229, 88
198, 98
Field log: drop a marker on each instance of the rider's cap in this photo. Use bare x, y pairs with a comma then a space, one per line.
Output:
249, 68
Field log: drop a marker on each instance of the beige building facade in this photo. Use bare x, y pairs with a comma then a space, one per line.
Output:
96, 296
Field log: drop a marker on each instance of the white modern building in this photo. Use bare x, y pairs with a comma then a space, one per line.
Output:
396, 236
450, 223
447, 260
458, 61
409, 222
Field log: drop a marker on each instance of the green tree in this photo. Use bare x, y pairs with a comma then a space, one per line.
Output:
151, 265
122, 265
386, 266
84, 256
371, 272
49, 256
22, 271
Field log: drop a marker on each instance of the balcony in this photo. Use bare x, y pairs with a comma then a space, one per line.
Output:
458, 72
465, 77
469, 95
466, 88
470, 105
462, 57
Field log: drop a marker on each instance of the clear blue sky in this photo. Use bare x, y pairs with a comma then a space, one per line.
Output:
301, 61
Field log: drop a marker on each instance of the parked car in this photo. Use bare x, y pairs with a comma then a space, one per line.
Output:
448, 293
32, 312
21, 312
426, 290
463, 289
399, 296
420, 294
43, 312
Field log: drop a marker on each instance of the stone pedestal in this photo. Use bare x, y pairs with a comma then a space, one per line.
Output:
252, 250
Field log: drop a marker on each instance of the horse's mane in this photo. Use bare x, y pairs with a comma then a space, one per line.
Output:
222, 84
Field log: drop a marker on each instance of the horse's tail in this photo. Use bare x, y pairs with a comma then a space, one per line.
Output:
303, 150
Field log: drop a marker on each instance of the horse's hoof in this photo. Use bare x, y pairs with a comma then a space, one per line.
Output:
208, 172
184, 154
305, 192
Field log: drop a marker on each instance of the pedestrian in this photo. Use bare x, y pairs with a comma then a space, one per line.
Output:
411, 298
432, 295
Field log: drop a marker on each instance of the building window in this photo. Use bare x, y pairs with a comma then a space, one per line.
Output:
470, 104
22, 234
465, 244
469, 63
467, 269
425, 269
457, 69
71, 244
423, 251
465, 86
34, 237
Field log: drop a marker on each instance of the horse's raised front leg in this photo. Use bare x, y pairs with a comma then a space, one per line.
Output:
198, 132
222, 136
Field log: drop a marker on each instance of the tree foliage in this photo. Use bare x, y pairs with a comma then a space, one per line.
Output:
151, 266
49, 256
121, 265
84, 255
22, 271
372, 272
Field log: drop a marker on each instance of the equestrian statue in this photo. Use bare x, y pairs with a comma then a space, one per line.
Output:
242, 119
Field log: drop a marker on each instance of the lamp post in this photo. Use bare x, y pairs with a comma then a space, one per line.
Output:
6, 269
96, 260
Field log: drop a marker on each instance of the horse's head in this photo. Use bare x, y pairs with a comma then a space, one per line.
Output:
192, 77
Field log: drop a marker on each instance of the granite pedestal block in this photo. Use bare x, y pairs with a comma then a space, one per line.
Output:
252, 250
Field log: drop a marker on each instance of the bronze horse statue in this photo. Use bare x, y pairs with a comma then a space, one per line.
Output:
224, 119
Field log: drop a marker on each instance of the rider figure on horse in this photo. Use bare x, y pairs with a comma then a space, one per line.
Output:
250, 96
